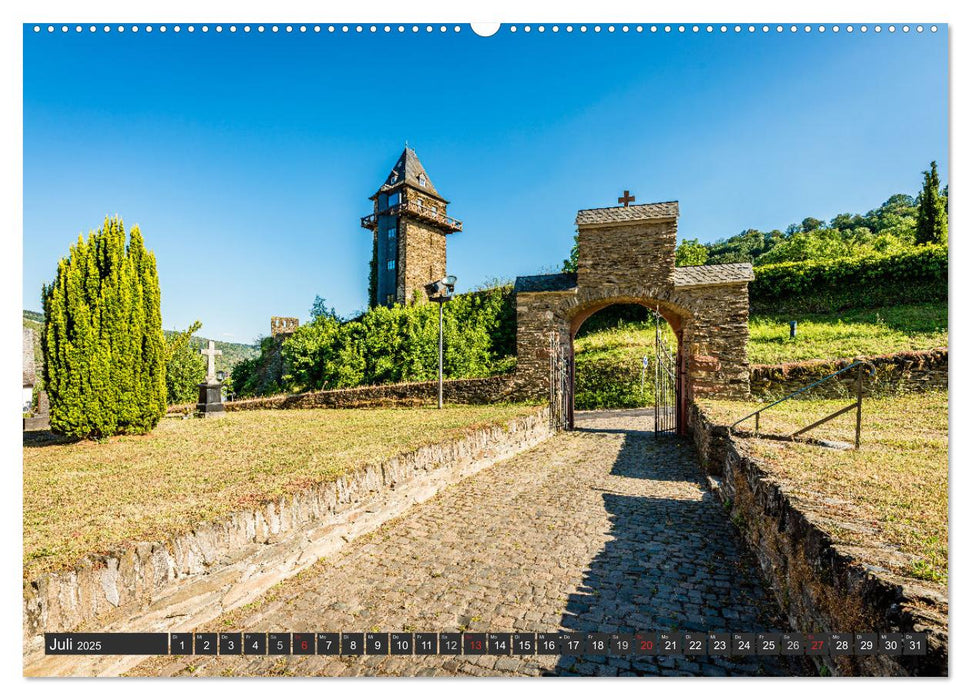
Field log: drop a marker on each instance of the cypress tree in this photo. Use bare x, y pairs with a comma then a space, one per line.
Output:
104, 357
931, 210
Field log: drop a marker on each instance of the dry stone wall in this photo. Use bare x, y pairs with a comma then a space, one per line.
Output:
902, 372
463, 391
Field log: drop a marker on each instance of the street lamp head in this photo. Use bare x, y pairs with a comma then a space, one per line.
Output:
442, 289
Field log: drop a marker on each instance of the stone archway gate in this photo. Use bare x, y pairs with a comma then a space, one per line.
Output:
626, 255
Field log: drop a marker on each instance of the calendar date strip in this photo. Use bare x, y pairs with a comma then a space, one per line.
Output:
481, 643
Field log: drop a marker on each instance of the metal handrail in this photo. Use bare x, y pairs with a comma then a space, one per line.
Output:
858, 404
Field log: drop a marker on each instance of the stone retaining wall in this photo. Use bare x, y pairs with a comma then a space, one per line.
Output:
820, 584
484, 390
189, 580
901, 372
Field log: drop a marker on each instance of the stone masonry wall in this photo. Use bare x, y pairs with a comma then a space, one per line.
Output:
821, 586
283, 325
475, 391
465, 391
191, 579
627, 255
421, 256
537, 315
900, 372
716, 341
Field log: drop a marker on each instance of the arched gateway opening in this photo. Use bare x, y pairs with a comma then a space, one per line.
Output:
626, 256
648, 371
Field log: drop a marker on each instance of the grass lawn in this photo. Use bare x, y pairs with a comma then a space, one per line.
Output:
627, 341
896, 483
88, 497
848, 333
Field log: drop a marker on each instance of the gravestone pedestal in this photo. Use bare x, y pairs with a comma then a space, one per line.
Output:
210, 400
41, 418
211, 391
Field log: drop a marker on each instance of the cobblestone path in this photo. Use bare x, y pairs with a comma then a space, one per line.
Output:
604, 529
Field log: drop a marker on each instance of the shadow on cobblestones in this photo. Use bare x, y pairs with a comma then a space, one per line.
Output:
674, 563
644, 455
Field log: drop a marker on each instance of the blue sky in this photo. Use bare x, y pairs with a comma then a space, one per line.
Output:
247, 159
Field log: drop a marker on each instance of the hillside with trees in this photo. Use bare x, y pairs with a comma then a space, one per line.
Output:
896, 226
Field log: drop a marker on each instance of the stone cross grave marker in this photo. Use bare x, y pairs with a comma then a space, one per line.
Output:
211, 352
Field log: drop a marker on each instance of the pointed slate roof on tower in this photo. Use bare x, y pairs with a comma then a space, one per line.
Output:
409, 170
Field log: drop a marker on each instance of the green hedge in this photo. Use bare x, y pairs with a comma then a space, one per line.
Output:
916, 276
387, 345
612, 381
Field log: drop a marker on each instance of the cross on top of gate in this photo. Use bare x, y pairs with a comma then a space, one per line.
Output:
626, 199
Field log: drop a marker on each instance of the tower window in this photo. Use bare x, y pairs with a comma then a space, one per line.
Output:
394, 199
421, 179
392, 232
391, 264
389, 300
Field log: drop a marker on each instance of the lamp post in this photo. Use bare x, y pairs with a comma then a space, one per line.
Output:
441, 291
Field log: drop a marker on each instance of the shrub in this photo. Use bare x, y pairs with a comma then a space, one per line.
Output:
260, 375
388, 345
185, 368
611, 382
104, 352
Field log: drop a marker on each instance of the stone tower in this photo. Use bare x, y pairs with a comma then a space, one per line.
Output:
409, 225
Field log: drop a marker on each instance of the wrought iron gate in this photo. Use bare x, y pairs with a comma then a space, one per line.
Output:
561, 385
667, 387
666, 384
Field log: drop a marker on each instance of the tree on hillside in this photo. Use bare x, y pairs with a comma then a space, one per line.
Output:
104, 352
849, 222
897, 216
811, 224
744, 247
690, 252
185, 368
319, 309
821, 244
931, 210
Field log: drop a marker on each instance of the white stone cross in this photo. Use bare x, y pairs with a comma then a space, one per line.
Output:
211, 353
